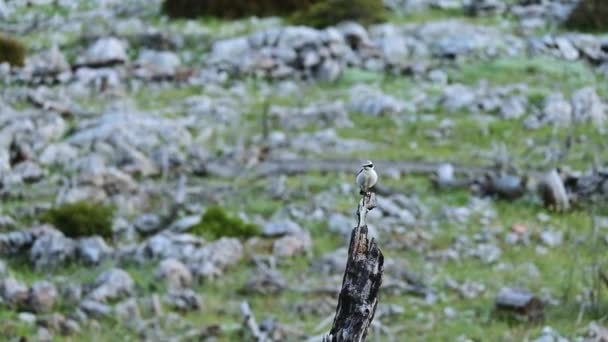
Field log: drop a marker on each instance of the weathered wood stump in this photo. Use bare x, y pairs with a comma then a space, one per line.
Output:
358, 298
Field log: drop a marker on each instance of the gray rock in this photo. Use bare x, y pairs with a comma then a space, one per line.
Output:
71, 293
328, 71
52, 250
27, 318
3, 269
484, 7
292, 245
340, 224
7, 222
229, 48
106, 50
557, 109
95, 309
185, 223
159, 62
111, 285
175, 273
185, 300
551, 238
42, 297
566, 49
265, 281
213, 259
48, 62
513, 107
588, 107
92, 250
438, 76
148, 224
390, 208
367, 100
127, 310
280, 228
58, 154
488, 253
29, 172
456, 97
14, 293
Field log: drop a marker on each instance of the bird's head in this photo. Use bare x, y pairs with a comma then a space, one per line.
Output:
368, 165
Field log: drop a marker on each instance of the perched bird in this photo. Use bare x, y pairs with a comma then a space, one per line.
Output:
367, 177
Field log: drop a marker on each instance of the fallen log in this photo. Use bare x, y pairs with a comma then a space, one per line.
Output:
358, 298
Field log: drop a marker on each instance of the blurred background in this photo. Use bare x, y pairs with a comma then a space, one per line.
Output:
167, 165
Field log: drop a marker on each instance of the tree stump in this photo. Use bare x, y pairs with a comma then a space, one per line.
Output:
358, 298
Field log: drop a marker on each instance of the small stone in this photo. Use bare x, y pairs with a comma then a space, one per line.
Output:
552, 238
127, 310
184, 300
175, 273
265, 282
449, 312
42, 297
292, 245
543, 217
15, 293
27, 318
111, 285
93, 250
148, 224
281, 228
95, 309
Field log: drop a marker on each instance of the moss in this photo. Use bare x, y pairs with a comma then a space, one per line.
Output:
12, 51
331, 12
216, 223
232, 9
81, 219
589, 15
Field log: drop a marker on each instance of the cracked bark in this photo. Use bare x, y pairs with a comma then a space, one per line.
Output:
358, 298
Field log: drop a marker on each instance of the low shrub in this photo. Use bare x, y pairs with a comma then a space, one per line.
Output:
216, 223
589, 15
81, 219
12, 51
232, 9
330, 12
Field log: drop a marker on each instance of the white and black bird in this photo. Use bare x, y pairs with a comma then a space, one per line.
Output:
367, 177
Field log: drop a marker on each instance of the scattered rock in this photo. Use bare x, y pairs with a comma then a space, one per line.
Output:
265, 281
112, 284
51, 250
176, 274
106, 50
93, 250
281, 228
185, 300
42, 297
95, 309
14, 293
292, 245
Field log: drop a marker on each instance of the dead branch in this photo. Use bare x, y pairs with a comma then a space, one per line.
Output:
250, 324
358, 298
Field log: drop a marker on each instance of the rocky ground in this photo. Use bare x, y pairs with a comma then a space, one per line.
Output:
165, 118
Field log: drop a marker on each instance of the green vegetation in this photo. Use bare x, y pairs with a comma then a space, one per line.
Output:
331, 12
589, 15
12, 51
216, 223
81, 219
232, 9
